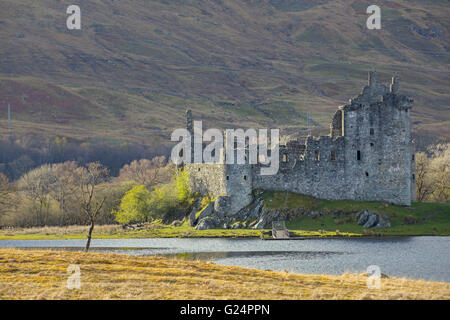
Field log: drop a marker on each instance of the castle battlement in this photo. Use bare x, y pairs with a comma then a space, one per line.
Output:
367, 156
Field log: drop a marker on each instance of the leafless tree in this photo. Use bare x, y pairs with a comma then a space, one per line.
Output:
146, 172
36, 186
424, 184
88, 178
64, 186
433, 174
6, 191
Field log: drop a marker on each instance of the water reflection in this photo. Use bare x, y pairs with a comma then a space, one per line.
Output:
218, 255
412, 257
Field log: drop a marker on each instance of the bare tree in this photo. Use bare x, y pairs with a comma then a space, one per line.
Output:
64, 186
36, 186
424, 186
440, 170
433, 174
6, 190
88, 178
146, 172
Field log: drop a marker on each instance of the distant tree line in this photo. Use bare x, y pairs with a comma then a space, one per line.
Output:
19, 155
68, 193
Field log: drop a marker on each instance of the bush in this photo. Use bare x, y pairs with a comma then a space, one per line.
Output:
135, 205
182, 185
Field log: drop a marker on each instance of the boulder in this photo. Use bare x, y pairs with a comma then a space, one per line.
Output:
383, 223
177, 223
372, 220
363, 217
254, 213
192, 218
206, 212
237, 225
260, 224
263, 219
206, 223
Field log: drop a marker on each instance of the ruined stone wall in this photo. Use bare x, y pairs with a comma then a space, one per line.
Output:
207, 178
378, 147
318, 171
367, 156
239, 185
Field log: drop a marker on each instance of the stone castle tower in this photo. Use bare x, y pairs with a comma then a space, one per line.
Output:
367, 156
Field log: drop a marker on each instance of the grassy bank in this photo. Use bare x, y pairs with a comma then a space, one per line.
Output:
431, 219
43, 275
153, 230
336, 219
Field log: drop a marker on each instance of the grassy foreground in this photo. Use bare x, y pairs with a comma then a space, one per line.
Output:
43, 275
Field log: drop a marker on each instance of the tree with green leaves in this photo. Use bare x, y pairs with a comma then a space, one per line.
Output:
134, 206
182, 185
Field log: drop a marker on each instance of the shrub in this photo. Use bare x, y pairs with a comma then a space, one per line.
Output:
182, 185
135, 205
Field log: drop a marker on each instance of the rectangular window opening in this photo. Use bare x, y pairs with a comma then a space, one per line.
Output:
333, 155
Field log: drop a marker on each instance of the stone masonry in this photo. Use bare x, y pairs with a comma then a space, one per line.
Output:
367, 156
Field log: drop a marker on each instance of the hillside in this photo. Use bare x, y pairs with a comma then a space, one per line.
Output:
134, 67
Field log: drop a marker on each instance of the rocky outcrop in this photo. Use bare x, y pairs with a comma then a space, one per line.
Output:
177, 223
192, 217
372, 220
206, 212
257, 216
206, 223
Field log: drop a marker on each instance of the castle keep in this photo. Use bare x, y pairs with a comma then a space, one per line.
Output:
367, 156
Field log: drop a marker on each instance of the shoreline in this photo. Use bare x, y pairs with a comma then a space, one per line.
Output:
231, 237
228, 235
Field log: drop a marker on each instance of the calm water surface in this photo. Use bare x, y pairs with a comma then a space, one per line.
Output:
412, 257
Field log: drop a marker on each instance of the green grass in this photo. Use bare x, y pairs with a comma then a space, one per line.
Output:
153, 230
432, 218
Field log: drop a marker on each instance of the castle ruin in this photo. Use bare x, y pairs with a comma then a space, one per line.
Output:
367, 156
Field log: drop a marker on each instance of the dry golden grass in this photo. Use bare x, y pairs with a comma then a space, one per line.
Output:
59, 231
43, 275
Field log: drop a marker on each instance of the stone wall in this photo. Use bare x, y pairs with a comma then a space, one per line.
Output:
368, 156
207, 178
318, 171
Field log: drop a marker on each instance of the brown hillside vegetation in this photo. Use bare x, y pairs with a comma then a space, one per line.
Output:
43, 275
135, 65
